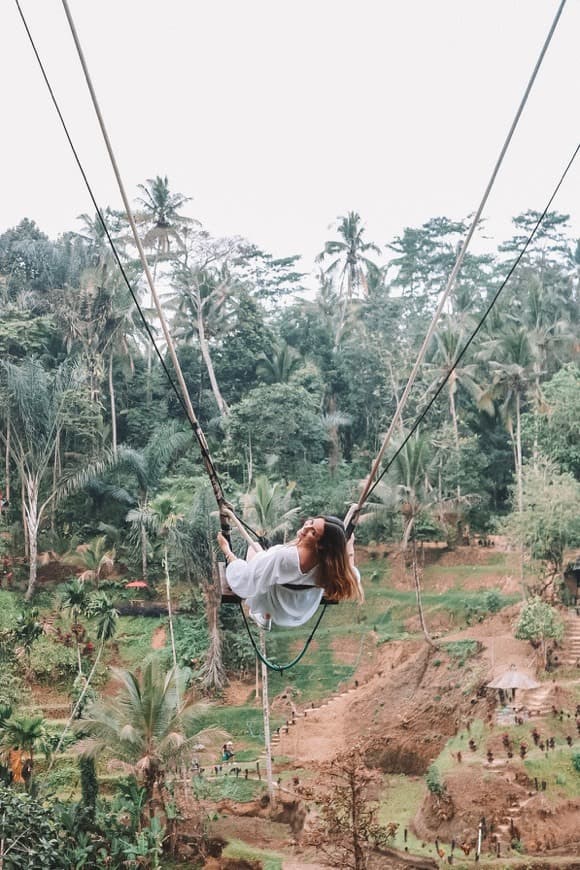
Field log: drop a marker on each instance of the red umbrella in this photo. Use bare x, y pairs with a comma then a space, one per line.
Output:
136, 584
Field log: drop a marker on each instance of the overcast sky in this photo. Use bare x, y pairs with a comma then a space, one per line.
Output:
276, 117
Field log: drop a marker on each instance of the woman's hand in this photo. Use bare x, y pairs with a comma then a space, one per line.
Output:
223, 545
350, 548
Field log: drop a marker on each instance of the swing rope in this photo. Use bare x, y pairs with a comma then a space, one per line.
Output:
372, 480
369, 485
273, 666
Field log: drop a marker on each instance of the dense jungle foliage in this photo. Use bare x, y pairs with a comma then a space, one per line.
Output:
295, 379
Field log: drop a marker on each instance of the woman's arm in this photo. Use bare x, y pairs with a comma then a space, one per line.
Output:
249, 577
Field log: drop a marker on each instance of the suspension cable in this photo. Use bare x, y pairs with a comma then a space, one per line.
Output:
477, 329
182, 394
458, 263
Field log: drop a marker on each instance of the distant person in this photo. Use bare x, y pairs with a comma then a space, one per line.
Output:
285, 584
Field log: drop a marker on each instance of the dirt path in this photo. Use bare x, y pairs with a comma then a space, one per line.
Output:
159, 638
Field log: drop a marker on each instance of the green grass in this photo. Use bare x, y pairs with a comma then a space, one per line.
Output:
9, 609
557, 770
243, 724
398, 803
230, 787
460, 743
238, 849
134, 634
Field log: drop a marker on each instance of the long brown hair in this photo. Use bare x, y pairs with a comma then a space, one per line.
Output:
335, 573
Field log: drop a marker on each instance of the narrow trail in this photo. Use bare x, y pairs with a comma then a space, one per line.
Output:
159, 638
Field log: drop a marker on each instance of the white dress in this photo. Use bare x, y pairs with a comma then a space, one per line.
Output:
261, 582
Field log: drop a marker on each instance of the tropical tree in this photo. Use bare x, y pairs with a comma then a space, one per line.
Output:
278, 366
202, 311
96, 560
348, 253
162, 520
449, 340
144, 726
160, 212
409, 492
548, 523
349, 264
40, 404
75, 600
100, 608
20, 737
511, 359
268, 507
148, 467
539, 622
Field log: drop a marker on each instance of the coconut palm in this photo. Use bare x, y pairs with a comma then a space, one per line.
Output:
349, 265
99, 608
278, 366
348, 253
268, 507
163, 521
511, 358
143, 726
21, 736
96, 560
449, 341
75, 601
409, 493
160, 212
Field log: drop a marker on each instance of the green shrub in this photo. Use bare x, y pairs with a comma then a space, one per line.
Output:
433, 780
461, 650
576, 761
53, 662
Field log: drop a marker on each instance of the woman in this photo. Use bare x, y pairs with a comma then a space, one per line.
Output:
284, 584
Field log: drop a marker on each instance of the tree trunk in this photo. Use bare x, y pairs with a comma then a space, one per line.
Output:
417, 582
56, 471
113, 407
23, 510
144, 552
334, 452
213, 675
266, 712
519, 477
170, 619
204, 347
77, 706
32, 523
7, 457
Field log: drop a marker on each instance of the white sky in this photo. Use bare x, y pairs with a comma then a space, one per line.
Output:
276, 117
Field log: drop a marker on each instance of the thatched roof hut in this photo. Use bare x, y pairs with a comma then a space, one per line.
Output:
513, 679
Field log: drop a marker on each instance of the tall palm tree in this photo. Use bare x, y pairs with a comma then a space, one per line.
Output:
144, 726
161, 519
449, 341
409, 493
148, 467
164, 225
160, 212
349, 264
202, 312
75, 601
96, 560
511, 358
100, 608
348, 253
